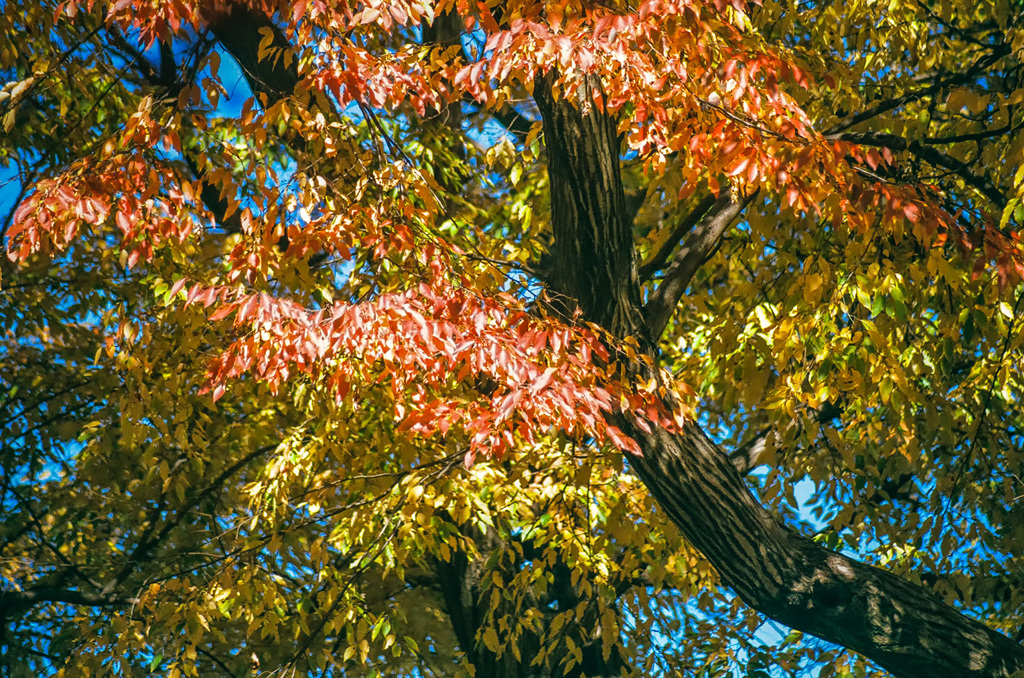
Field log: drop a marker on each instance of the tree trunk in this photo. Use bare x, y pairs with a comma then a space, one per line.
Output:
903, 627
595, 263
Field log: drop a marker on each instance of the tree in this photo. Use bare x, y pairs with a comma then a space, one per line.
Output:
497, 337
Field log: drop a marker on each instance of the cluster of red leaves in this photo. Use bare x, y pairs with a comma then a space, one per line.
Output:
449, 357
352, 73
50, 219
152, 20
373, 228
148, 201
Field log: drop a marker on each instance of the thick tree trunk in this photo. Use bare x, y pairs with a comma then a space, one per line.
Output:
902, 627
464, 591
595, 263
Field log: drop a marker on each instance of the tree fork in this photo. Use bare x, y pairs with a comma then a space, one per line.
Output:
903, 627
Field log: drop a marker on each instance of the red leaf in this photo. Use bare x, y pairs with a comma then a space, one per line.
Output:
175, 288
912, 211
223, 312
542, 381
739, 167
622, 442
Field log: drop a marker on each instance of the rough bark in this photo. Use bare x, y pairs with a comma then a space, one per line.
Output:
596, 267
902, 627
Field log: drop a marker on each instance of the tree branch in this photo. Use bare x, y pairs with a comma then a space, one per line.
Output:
13, 601
889, 104
905, 628
517, 124
977, 136
694, 252
660, 257
928, 154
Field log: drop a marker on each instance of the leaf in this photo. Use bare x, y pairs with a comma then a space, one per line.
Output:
490, 639
222, 312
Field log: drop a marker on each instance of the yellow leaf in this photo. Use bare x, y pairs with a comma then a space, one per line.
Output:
490, 639
957, 99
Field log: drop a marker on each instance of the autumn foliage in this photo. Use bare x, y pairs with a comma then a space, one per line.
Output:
331, 323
